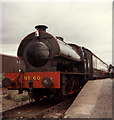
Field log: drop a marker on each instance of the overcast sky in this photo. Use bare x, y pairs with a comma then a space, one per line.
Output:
86, 23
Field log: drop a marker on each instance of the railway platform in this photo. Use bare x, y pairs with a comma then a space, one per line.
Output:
94, 101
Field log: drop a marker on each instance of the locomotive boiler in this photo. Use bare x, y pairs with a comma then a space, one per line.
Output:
53, 67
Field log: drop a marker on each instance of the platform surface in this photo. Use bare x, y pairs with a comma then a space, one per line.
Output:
94, 101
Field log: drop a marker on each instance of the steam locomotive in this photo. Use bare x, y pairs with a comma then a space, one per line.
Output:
53, 67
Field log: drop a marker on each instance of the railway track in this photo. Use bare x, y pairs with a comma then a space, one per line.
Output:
42, 109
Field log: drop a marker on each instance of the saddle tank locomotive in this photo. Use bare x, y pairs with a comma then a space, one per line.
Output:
53, 67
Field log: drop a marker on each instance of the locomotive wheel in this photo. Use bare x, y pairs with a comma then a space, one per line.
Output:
64, 87
38, 94
35, 95
76, 85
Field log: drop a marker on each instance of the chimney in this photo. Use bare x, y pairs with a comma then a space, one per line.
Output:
41, 27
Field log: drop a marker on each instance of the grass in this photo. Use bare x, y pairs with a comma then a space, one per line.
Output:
17, 97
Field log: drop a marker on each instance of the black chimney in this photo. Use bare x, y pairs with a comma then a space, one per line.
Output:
41, 27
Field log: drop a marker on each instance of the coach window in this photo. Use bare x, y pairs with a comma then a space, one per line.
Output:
17, 61
88, 64
96, 63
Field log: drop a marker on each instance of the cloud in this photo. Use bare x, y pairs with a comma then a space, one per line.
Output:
9, 49
84, 23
